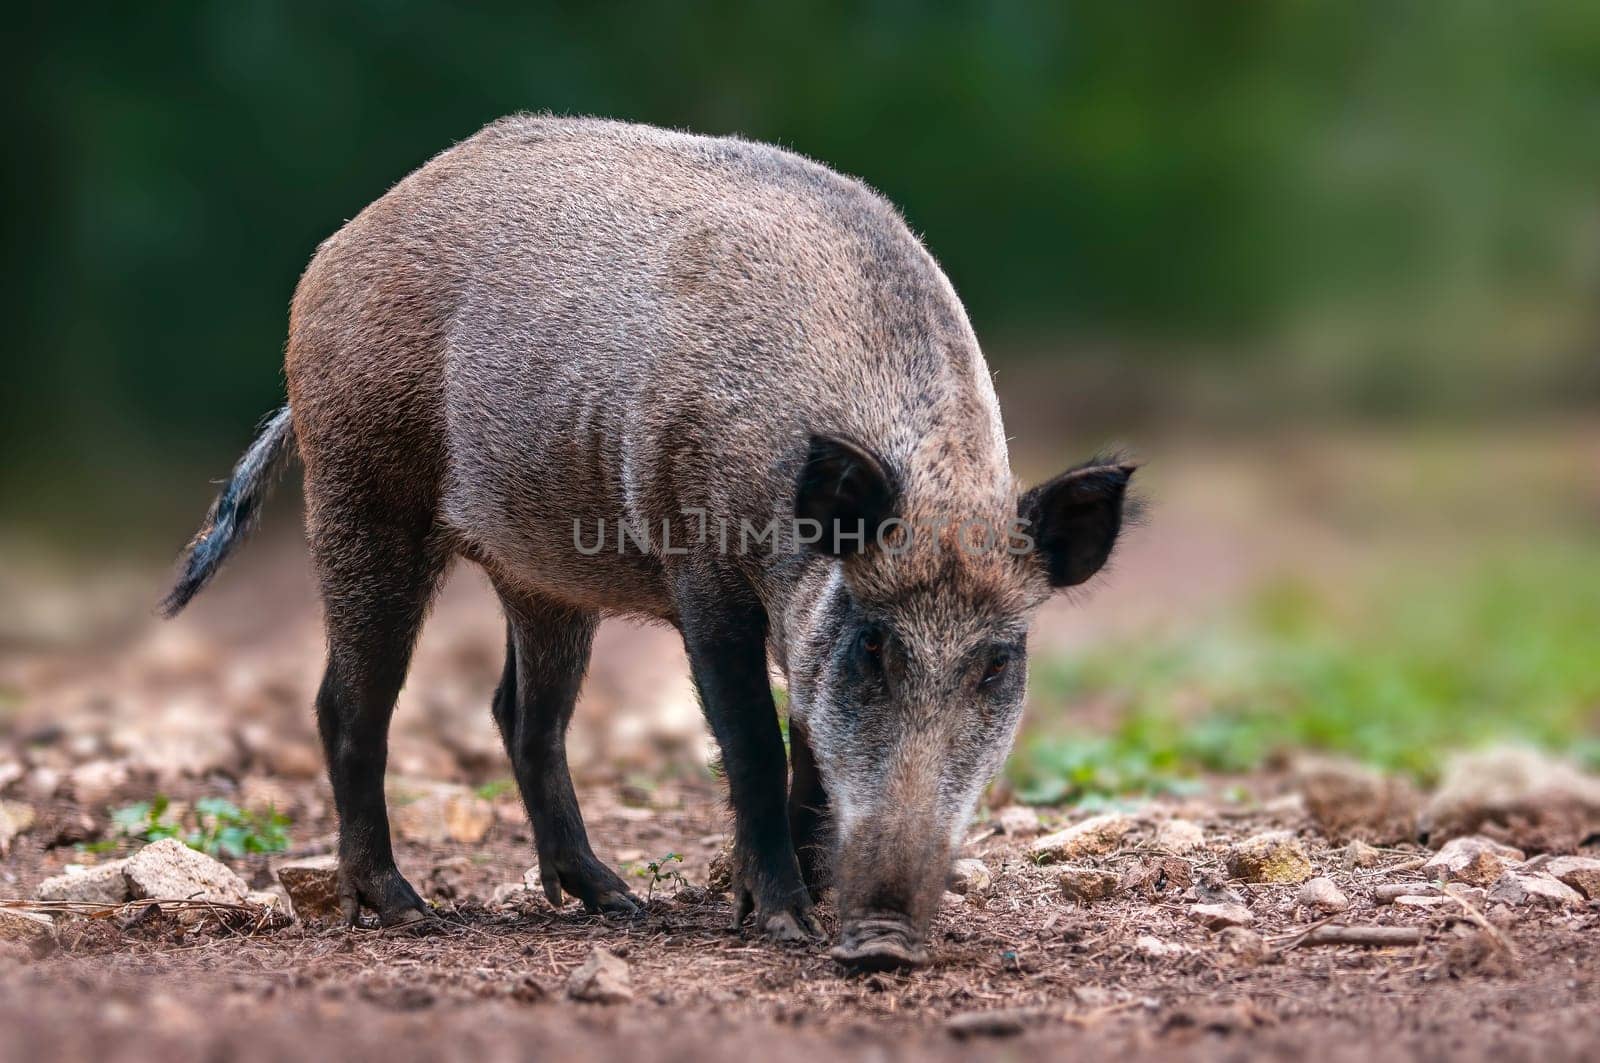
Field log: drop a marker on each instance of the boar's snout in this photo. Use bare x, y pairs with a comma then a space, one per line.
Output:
889, 884
884, 943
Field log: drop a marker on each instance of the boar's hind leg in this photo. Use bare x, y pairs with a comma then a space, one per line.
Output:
725, 634
547, 650
376, 583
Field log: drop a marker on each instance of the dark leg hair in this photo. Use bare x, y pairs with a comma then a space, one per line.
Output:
547, 651
808, 813
725, 632
376, 584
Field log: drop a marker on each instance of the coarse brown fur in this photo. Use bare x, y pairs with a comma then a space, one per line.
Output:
568, 326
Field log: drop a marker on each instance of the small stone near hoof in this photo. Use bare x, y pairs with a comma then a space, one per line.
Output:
28, 930
1537, 890
169, 870
969, 875
1320, 894
1094, 836
1475, 860
603, 978
313, 886
1273, 857
1218, 916
100, 884
1085, 885
1582, 873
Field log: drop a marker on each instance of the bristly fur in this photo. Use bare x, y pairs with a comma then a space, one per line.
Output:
235, 510
571, 321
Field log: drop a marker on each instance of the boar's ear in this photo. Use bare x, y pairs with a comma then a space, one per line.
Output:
1074, 519
848, 491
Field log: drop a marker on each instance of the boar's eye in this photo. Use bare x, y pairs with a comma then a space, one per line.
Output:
872, 641
995, 669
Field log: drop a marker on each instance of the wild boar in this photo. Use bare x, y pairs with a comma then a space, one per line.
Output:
630, 371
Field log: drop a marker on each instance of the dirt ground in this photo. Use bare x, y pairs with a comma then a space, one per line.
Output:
1135, 974
218, 705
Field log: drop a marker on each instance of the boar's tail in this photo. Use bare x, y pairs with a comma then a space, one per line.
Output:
234, 511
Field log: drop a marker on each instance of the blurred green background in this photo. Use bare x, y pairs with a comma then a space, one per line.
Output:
1369, 208
1369, 229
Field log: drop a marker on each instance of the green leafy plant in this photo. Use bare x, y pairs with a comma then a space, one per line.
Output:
659, 871
495, 788
221, 827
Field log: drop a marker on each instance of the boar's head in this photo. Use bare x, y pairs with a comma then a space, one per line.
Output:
907, 659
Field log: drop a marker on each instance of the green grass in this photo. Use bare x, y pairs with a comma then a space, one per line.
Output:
1399, 673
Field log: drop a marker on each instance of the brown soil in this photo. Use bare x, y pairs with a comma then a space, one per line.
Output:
1052, 978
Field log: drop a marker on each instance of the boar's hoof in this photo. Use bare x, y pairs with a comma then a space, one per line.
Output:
386, 892
790, 926
879, 945
595, 886
614, 903
780, 922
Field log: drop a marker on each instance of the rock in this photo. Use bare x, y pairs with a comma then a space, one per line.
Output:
313, 886
1276, 856
1085, 885
970, 876
1536, 890
1432, 900
1518, 796
15, 819
1243, 944
42, 783
601, 979
429, 813
1389, 892
512, 895
1094, 836
1217, 916
1349, 801
1018, 821
36, 933
951, 900
1359, 854
1582, 873
1475, 860
1179, 836
1320, 894
96, 782
170, 870
1156, 949
100, 884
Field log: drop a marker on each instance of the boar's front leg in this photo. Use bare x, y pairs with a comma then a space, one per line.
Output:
547, 650
725, 633
808, 812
